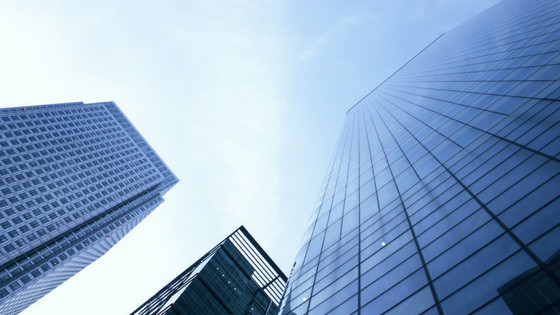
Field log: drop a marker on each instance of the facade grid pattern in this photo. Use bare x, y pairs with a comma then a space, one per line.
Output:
74, 179
443, 193
234, 277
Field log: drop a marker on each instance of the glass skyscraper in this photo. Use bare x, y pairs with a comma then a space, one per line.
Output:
235, 277
74, 179
443, 193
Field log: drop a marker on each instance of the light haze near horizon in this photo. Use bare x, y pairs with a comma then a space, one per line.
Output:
243, 100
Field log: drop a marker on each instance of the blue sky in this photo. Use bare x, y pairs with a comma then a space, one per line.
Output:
244, 100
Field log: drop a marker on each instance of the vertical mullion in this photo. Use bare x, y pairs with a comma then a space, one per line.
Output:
328, 221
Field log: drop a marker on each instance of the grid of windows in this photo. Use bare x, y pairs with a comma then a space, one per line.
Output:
234, 277
443, 194
71, 176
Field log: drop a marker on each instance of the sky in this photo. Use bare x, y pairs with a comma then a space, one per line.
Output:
242, 99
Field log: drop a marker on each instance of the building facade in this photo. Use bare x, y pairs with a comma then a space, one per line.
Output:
443, 194
235, 277
74, 179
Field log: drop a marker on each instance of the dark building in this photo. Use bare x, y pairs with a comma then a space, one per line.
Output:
74, 179
443, 195
235, 277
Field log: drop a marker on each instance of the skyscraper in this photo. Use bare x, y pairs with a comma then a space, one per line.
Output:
234, 277
74, 179
443, 194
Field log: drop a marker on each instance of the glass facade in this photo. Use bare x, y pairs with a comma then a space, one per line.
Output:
443, 193
235, 277
74, 179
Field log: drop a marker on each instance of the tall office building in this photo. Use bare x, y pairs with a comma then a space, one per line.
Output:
235, 277
443, 194
74, 179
